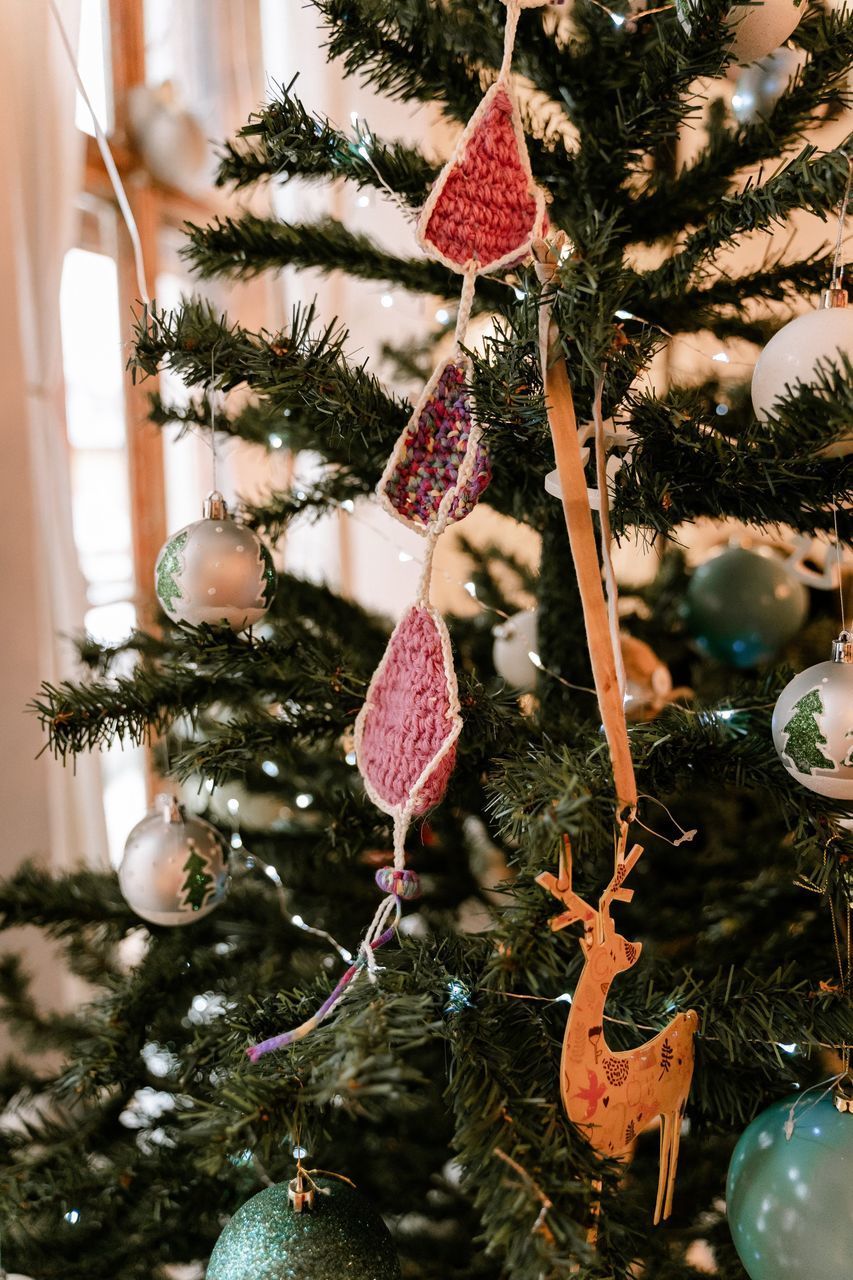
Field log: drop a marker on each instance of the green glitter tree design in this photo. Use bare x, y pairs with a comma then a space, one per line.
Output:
269, 576
198, 883
169, 566
804, 735
848, 759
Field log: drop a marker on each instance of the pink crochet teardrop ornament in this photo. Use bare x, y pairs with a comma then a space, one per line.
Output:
406, 731
485, 207
431, 456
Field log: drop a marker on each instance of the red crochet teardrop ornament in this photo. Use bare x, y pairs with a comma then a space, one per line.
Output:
406, 731
485, 207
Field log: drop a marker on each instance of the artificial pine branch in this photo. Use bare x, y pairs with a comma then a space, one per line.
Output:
672, 203
249, 245
284, 139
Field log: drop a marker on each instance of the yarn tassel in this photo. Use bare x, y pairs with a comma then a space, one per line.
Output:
256, 1051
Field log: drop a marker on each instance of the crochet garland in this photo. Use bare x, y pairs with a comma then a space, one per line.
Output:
483, 214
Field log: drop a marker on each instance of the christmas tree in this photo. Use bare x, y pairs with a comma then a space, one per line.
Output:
435, 1083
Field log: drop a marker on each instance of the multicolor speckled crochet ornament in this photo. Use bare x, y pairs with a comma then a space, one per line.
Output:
483, 214
438, 468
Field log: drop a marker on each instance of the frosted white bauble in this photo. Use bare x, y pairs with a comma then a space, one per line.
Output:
515, 640
760, 85
175, 868
215, 571
757, 29
792, 355
813, 725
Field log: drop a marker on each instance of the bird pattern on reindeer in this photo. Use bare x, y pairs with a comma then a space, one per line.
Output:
612, 1096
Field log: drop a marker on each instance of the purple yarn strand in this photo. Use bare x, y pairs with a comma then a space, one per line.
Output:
256, 1051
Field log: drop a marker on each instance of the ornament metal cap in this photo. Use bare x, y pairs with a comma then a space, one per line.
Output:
301, 1192
834, 296
842, 1095
171, 810
842, 648
215, 507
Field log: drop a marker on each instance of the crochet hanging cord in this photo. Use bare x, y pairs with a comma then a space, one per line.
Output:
482, 214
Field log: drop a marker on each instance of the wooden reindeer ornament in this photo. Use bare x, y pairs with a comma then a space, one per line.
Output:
613, 1096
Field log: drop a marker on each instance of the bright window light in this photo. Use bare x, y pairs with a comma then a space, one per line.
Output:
93, 63
93, 361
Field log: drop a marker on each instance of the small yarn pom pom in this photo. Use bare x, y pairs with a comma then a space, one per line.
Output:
403, 884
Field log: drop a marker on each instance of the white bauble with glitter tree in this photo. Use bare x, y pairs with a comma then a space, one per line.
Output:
175, 867
813, 724
215, 571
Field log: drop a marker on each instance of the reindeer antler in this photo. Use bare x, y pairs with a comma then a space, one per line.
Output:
561, 887
624, 864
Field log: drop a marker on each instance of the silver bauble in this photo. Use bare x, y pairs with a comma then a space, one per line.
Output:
760, 85
757, 29
175, 868
172, 142
215, 571
792, 355
813, 724
515, 640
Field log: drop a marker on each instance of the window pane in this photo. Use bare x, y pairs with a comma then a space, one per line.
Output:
209, 52
94, 407
93, 63
93, 361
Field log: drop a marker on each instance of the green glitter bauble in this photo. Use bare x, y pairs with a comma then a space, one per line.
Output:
341, 1238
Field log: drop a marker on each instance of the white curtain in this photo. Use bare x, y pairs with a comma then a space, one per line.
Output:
46, 810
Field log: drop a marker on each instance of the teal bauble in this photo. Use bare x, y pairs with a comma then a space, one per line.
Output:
790, 1201
743, 605
341, 1238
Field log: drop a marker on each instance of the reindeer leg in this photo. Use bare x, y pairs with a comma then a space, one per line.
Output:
595, 1214
673, 1161
663, 1172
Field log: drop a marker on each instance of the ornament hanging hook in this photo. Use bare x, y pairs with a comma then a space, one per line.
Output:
211, 396
838, 558
837, 280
